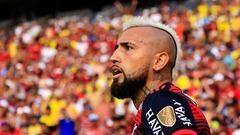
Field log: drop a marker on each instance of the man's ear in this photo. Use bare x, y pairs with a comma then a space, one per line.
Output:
160, 61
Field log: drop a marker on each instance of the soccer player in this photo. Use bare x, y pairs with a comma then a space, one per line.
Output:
143, 63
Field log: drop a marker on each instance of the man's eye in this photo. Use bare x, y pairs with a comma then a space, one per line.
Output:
127, 47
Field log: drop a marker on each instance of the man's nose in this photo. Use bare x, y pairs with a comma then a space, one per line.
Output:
115, 57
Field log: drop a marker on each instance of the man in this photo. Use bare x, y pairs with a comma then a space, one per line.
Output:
144, 59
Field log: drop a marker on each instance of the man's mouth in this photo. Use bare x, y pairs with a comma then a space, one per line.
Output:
116, 71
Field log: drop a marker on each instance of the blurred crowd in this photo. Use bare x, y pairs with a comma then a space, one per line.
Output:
54, 76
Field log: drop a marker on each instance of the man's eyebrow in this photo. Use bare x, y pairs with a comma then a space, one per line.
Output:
127, 43
124, 44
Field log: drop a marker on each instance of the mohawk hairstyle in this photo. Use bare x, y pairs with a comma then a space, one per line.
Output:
144, 21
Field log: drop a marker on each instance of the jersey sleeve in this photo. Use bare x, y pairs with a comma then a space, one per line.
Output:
165, 113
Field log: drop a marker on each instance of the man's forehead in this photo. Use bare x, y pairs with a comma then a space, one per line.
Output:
138, 33
146, 29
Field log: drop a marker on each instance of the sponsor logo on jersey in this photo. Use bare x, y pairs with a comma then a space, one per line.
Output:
167, 116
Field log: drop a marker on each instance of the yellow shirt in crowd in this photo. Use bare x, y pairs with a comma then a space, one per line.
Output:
183, 82
215, 9
49, 120
12, 49
56, 106
34, 130
203, 10
234, 10
235, 23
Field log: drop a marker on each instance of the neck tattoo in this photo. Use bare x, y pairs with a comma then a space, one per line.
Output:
146, 90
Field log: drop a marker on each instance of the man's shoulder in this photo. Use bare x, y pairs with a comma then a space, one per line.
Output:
168, 111
157, 98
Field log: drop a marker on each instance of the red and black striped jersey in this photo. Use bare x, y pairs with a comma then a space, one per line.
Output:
169, 111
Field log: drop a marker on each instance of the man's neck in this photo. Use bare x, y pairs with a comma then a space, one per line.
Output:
140, 96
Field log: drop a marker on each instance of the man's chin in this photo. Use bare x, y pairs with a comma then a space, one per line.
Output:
120, 91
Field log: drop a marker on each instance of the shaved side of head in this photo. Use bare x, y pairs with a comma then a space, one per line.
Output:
164, 42
163, 36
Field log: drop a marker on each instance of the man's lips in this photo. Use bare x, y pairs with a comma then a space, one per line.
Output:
116, 71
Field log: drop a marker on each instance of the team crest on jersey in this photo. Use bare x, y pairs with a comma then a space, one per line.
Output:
167, 116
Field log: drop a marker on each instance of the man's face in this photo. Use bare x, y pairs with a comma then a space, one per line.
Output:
131, 62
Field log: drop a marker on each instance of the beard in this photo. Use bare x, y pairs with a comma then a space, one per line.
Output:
131, 85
